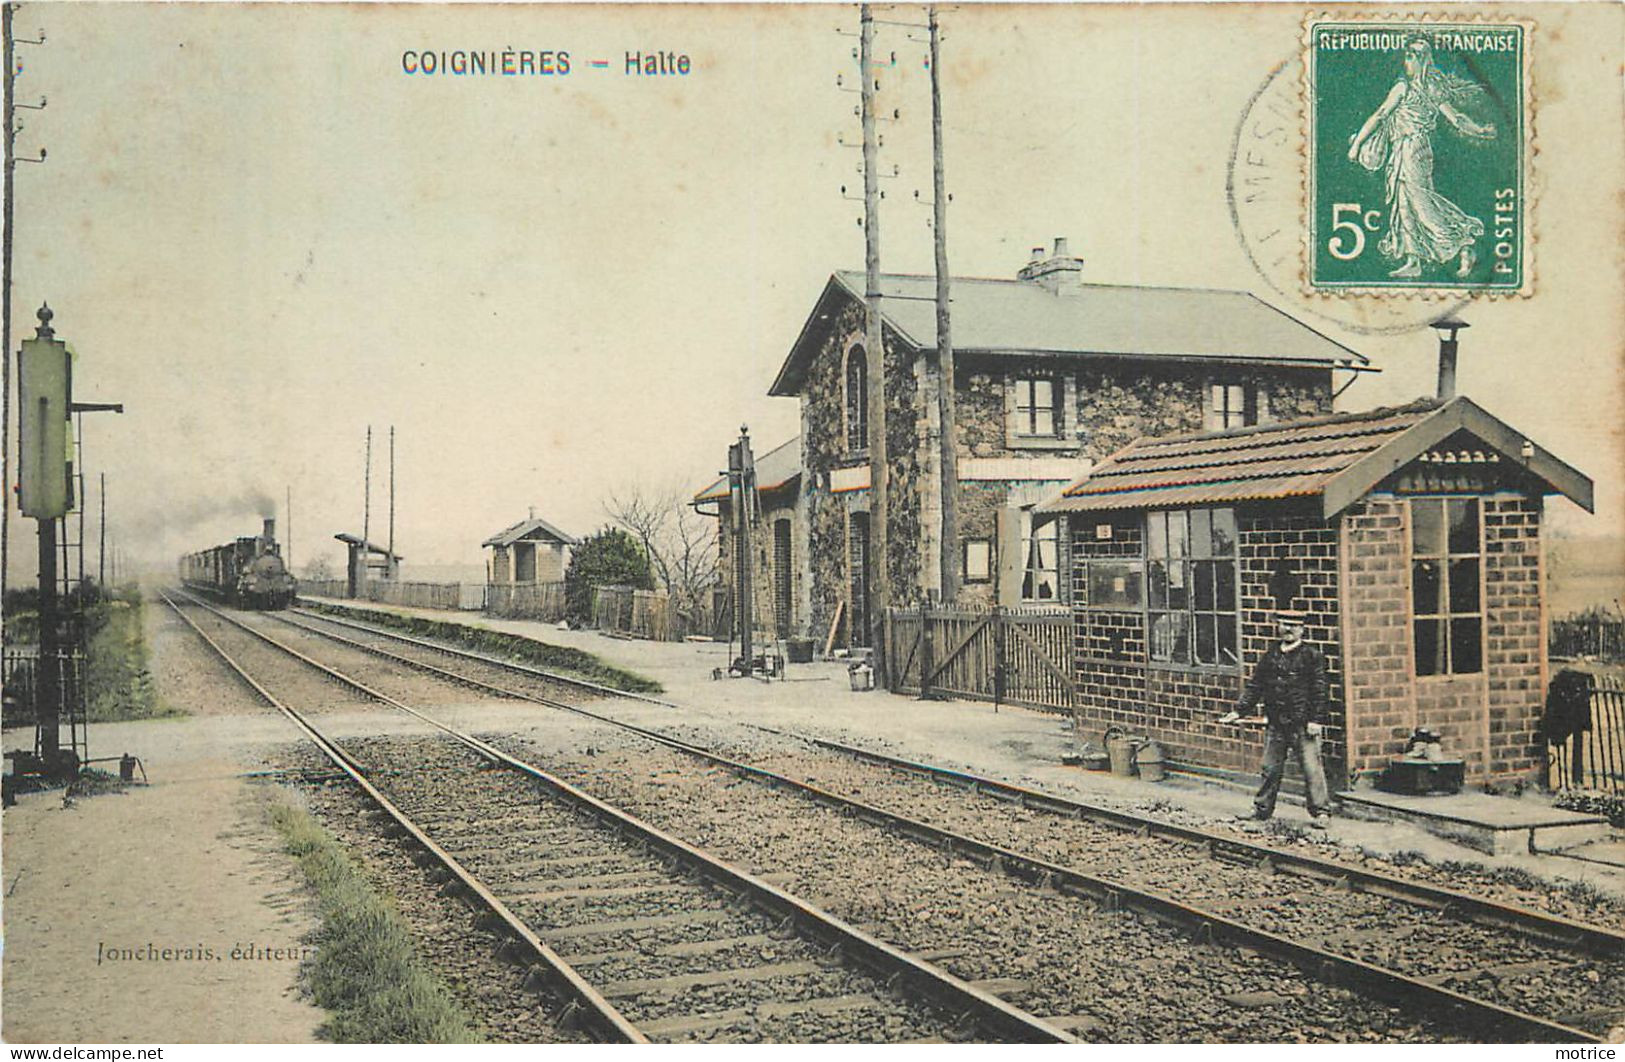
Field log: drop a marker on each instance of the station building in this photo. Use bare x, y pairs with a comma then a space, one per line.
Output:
1411, 536
1051, 374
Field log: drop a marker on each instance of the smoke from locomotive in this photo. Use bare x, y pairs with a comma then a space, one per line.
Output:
248, 573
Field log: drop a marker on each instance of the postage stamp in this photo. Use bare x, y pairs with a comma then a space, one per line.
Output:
1419, 138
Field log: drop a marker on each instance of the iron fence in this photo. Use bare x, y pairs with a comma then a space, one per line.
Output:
1593, 757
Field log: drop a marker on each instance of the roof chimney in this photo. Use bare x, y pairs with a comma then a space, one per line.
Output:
1058, 273
1447, 327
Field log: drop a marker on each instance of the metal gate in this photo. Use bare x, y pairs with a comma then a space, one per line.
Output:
1016, 656
1594, 757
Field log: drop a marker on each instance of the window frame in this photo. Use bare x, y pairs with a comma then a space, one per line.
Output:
965, 547
855, 407
1447, 561
1190, 560
1025, 385
1217, 413
1031, 573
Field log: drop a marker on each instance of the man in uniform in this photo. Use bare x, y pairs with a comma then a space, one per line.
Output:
1290, 682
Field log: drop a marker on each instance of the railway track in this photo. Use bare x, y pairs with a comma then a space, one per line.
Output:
1394, 960
641, 935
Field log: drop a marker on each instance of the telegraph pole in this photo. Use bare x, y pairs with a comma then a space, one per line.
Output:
949, 462
366, 515
874, 341
287, 531
390, 568
101, 528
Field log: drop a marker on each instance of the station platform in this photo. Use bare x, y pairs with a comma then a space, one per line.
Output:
1498, 825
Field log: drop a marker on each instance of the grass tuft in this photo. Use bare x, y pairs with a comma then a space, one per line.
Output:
576, 663
365, 970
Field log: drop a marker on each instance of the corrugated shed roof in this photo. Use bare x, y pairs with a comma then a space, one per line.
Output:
774, 469
532, 528
1101, 320
1337, 458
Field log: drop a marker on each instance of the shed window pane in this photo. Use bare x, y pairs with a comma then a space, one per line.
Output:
1427, 587
1206, 639
1427, 527
1224, 587
1463, 524
1224, 532
1466, 655
1204, 585
1201, 533
1170, 637
1464, 584
1429, 647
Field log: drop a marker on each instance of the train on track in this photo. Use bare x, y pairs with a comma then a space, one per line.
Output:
248, 573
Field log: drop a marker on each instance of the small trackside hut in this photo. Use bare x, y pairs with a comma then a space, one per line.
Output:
1410, 536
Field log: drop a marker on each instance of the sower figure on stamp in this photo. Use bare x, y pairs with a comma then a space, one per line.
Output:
1398, 138
1290, 683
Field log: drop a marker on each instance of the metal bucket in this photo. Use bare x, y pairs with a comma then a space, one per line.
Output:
1150, 761
1120, 747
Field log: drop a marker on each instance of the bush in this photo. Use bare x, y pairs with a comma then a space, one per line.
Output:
612, 557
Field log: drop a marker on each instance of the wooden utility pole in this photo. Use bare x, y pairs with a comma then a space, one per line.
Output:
389, 568
366, 513
10, 137
878, 576
101, 528
287, 531
949, 462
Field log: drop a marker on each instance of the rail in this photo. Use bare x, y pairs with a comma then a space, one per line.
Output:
1383, 983
992, 1014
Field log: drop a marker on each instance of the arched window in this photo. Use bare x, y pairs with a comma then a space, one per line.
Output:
857, 399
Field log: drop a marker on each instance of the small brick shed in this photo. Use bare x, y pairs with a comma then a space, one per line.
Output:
1410, 536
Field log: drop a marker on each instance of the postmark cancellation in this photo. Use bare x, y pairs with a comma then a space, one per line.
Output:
1419, 135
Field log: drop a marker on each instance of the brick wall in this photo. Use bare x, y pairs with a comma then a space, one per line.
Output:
1489, 718
1377, 632
1515, 648
1178, 705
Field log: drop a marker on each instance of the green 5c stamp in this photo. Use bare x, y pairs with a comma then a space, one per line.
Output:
1418, 151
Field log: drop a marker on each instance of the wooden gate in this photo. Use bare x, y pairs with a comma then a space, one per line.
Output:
1017, 656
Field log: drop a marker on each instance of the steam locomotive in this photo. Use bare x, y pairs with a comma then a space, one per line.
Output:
248, 573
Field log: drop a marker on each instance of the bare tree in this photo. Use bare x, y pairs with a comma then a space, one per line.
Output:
681, 544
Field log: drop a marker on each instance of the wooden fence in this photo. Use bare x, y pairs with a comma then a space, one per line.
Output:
537, 601
1594, 758
1017, 656
1594, 634
451, 596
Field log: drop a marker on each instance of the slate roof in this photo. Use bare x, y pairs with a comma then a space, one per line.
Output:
774, 469
1022, 317
533, 528
1338, 459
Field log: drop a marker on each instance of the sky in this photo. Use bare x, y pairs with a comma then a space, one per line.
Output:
263, 235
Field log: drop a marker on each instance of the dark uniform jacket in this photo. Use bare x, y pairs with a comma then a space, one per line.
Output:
1290, 686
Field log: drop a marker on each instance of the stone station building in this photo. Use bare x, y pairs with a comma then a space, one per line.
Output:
1051, 374
1411, 537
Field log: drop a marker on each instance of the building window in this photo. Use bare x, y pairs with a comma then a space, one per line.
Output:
1191, 580
1446, 605
1234, 405
1038, 406
857, 399
1040, 561
978, 560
